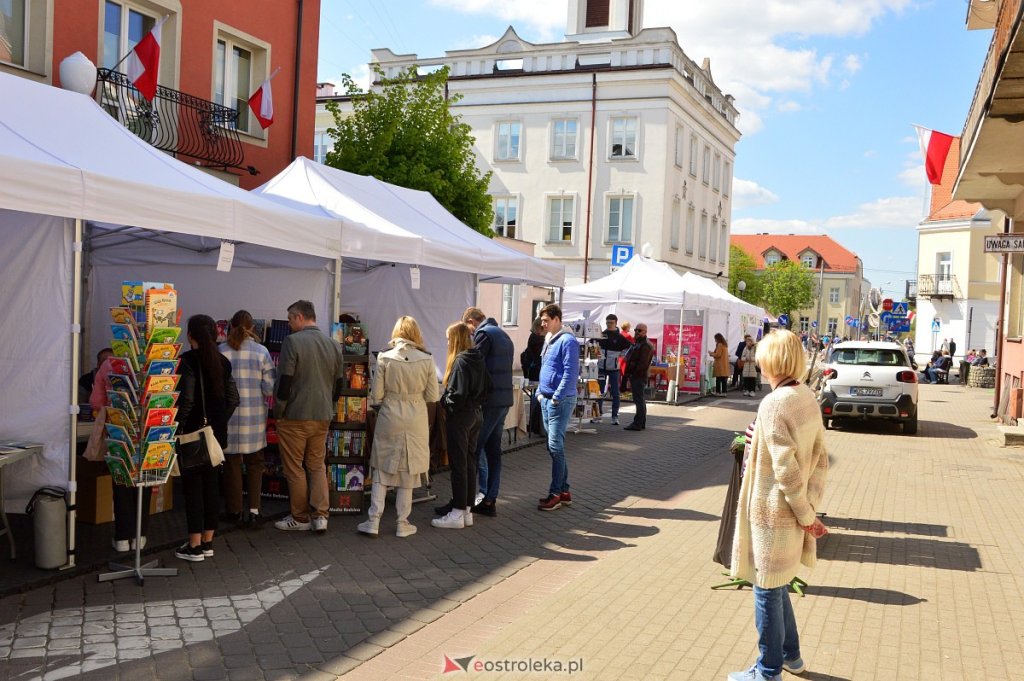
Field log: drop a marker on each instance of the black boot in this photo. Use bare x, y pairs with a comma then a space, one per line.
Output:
443, 510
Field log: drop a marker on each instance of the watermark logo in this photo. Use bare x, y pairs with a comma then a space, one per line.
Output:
459, 664
544, 665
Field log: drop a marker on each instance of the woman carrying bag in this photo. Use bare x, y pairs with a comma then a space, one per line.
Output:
208, 398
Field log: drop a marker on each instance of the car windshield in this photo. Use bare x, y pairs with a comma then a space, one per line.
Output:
878, 357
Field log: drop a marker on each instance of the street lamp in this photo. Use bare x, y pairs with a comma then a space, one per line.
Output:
741, 286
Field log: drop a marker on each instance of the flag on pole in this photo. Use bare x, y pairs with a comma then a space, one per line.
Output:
262, 104
143, 63
935, 148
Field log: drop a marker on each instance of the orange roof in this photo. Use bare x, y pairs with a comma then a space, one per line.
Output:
943, 207
792, 246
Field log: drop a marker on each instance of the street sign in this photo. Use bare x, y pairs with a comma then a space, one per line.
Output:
783, 320
887, 304
886, 317
1004, 243
899, 308
848, 320
900, 325
936, 325
621, 253
814, 324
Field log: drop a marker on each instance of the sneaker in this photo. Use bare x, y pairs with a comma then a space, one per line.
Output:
596, 420
632, 427
405, 529
207, 547
193, 554
467, 516
479, 498
486, 508
443, 510
615, 422
552, 503
142, 544
566, 498
253, 520
796, 666
319, 525
752, 675
454, 520
369, 528
290, 523
120, 545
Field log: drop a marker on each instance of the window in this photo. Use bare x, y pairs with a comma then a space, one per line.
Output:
702, 245
508, 141
706, 171
620, 220
713, 241
808, 260
623, 138
726, 178
716, 173
944, 265
598, 13
123, 28
510, 304
673, 238
691, 227
805, 324
13, 31
771, 259
322, 143
239, 67
563, 139
680, 140
723, 245
506, 210
833, 294
693, 155
560, 218
833, 325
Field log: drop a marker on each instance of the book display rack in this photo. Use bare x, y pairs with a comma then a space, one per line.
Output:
348, 469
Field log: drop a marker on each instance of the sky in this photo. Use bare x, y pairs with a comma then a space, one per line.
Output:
828, 92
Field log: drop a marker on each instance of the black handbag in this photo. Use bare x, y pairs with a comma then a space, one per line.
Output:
199, 449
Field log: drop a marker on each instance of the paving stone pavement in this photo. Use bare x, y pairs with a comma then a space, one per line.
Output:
916, 581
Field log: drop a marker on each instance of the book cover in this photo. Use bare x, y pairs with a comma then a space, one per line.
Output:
123, 315
352, 477
162, 367
131, 294
259, 329
160, 433
120, 474
356, 340
119, 418
128, 351
161, 384
125, 332
222, 330
355, 410
161, 400
338, 332
120, 399
161, 416
157, 456
165, 334
125, 383
354, 442
161, 308
339, 415
117, 433
162, 351
277, 332
357, 380
125, 451
120, 365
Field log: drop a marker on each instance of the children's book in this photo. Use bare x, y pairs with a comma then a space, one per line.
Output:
160, 433
123, 401
164, 334
120, 365
352, 476
357, 379
125, 332
132, 294
125, 383
160, 417
162, 351
161, 384
127, 350
161, 308
355, 410
222, 330
161, 400
157, 455
162, 367
120, 474
125, 451
119, 418
339, 415
356, 340
338, 332
117, 433
123, 315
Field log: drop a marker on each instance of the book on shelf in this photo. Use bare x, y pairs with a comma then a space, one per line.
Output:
223, 326
124, 383
259, 329
355, 442
119, 473
132, 294
355, 376
162, 416
347, 477
115, 432
339, 414
165, 334
127, 351
123, 315
277, 332
162, 367
161, 308
162, 351
338, 332
123, 450
120, 365
120, 399
355, 339
119, 418
158, 400
355, 410
157, 455
125, 332
161, 384
160, 433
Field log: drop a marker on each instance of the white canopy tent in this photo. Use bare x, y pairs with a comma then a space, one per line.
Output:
388, 231
65, 162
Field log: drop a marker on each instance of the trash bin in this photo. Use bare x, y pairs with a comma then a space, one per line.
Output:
48, 508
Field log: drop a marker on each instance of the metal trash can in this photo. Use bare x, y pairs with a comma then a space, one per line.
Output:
48, 508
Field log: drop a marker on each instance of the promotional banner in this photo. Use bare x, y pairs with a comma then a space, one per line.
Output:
689, 353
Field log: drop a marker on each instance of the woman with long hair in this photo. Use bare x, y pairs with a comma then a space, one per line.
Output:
208, 397
254, 373
721, 368
466, 386
405, 381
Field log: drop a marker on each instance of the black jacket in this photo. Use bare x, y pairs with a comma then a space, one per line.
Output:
468, 385
529, 359
638, 359
497, 350
614, 345
740, 348
190, 404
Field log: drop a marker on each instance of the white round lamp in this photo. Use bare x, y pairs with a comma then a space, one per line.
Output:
78, 74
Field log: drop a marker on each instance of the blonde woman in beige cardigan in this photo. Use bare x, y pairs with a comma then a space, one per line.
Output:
776, 519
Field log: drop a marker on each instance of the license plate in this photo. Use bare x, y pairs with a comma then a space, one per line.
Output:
866, 392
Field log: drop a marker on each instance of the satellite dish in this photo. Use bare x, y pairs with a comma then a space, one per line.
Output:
647, 250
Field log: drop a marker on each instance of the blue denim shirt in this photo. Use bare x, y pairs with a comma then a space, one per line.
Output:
560, 366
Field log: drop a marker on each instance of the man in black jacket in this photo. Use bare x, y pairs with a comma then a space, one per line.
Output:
613, 344
638, 364
737, 371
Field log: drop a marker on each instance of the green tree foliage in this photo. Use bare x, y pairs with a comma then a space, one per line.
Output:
742, 267
787, 286
406, 134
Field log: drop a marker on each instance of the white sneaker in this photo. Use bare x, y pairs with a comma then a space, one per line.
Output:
615, 422
369, 527
319, 525
455, 520
142, 543
405, 529
290, 523
479, 498
120, 545
467, 517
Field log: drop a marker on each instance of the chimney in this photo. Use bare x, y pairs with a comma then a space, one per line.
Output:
325, 89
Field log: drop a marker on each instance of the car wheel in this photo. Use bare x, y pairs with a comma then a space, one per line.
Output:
910, 426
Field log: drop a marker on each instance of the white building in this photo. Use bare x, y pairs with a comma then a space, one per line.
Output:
613, 136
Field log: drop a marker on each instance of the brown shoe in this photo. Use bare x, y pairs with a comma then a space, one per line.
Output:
552, 503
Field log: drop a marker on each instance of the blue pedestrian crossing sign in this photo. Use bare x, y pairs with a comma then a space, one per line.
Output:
899, 309
936, 325
621, 254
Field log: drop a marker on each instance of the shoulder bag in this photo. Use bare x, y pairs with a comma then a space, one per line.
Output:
199, 448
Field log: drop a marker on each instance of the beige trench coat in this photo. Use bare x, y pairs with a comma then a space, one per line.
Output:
405, 380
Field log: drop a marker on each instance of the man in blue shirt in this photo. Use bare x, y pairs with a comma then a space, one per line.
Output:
559, 373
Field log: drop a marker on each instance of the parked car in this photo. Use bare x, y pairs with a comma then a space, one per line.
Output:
869, 380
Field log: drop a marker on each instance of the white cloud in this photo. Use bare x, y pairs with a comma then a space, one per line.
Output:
852, 64
870, 153
896, 212
535, 20
475, 42
758, 225
914, 176
361, 75
747, 193
789, 106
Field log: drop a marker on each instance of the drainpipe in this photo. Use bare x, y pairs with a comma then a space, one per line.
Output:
590, 171
1003, 276
296, 90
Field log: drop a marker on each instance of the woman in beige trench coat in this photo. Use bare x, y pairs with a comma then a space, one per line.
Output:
405, 380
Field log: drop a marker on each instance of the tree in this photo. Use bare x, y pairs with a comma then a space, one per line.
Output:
406, 134
786, 286
742, 267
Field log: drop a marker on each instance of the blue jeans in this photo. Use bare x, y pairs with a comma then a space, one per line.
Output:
488, 451
556, 421
777, 638
611, 379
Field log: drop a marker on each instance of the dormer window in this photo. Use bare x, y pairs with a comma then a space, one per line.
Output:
771, 258
809, 259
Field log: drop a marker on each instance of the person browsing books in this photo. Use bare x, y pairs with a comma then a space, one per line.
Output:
310, 379
86, 381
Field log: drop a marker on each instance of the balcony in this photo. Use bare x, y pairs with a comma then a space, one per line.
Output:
186, 127
937, 286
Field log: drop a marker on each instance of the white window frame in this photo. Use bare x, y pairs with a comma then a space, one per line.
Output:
833, 294
677, 216
723, 244
772, 258
691, 228
621, 199
505, 150
502, 210
805, 324
621, 137
680, 144
694, 154
716, 173
259, 58
702, 243
809, 260
705, 176
563, 154
124, 43
726, 178
833, 326
323, 144
549, 209
713, 241
510, 305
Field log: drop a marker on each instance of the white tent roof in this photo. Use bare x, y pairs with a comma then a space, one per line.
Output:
387, 223
711, 291
62, 155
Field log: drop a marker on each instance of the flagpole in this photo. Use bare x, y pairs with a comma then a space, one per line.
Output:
128, 53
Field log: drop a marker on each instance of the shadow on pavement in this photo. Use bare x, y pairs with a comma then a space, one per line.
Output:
663, 513
940, 430
818, 676
871, 525
880, 596
913, 551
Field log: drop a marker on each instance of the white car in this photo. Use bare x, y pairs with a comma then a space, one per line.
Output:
869, 380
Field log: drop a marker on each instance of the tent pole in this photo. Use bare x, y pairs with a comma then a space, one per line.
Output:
76, 339
336, 299
679, 348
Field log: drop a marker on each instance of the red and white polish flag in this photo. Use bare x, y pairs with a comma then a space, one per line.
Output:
262, 104
935, 148
143, 63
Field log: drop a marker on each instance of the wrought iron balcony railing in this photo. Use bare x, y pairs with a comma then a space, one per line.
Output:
938, 286
911, 289
175, 122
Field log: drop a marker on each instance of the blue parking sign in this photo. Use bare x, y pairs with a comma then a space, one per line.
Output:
621, 254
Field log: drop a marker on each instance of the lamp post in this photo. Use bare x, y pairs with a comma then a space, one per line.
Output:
741, 286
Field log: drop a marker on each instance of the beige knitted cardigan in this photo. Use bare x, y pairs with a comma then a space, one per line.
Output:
781, 489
